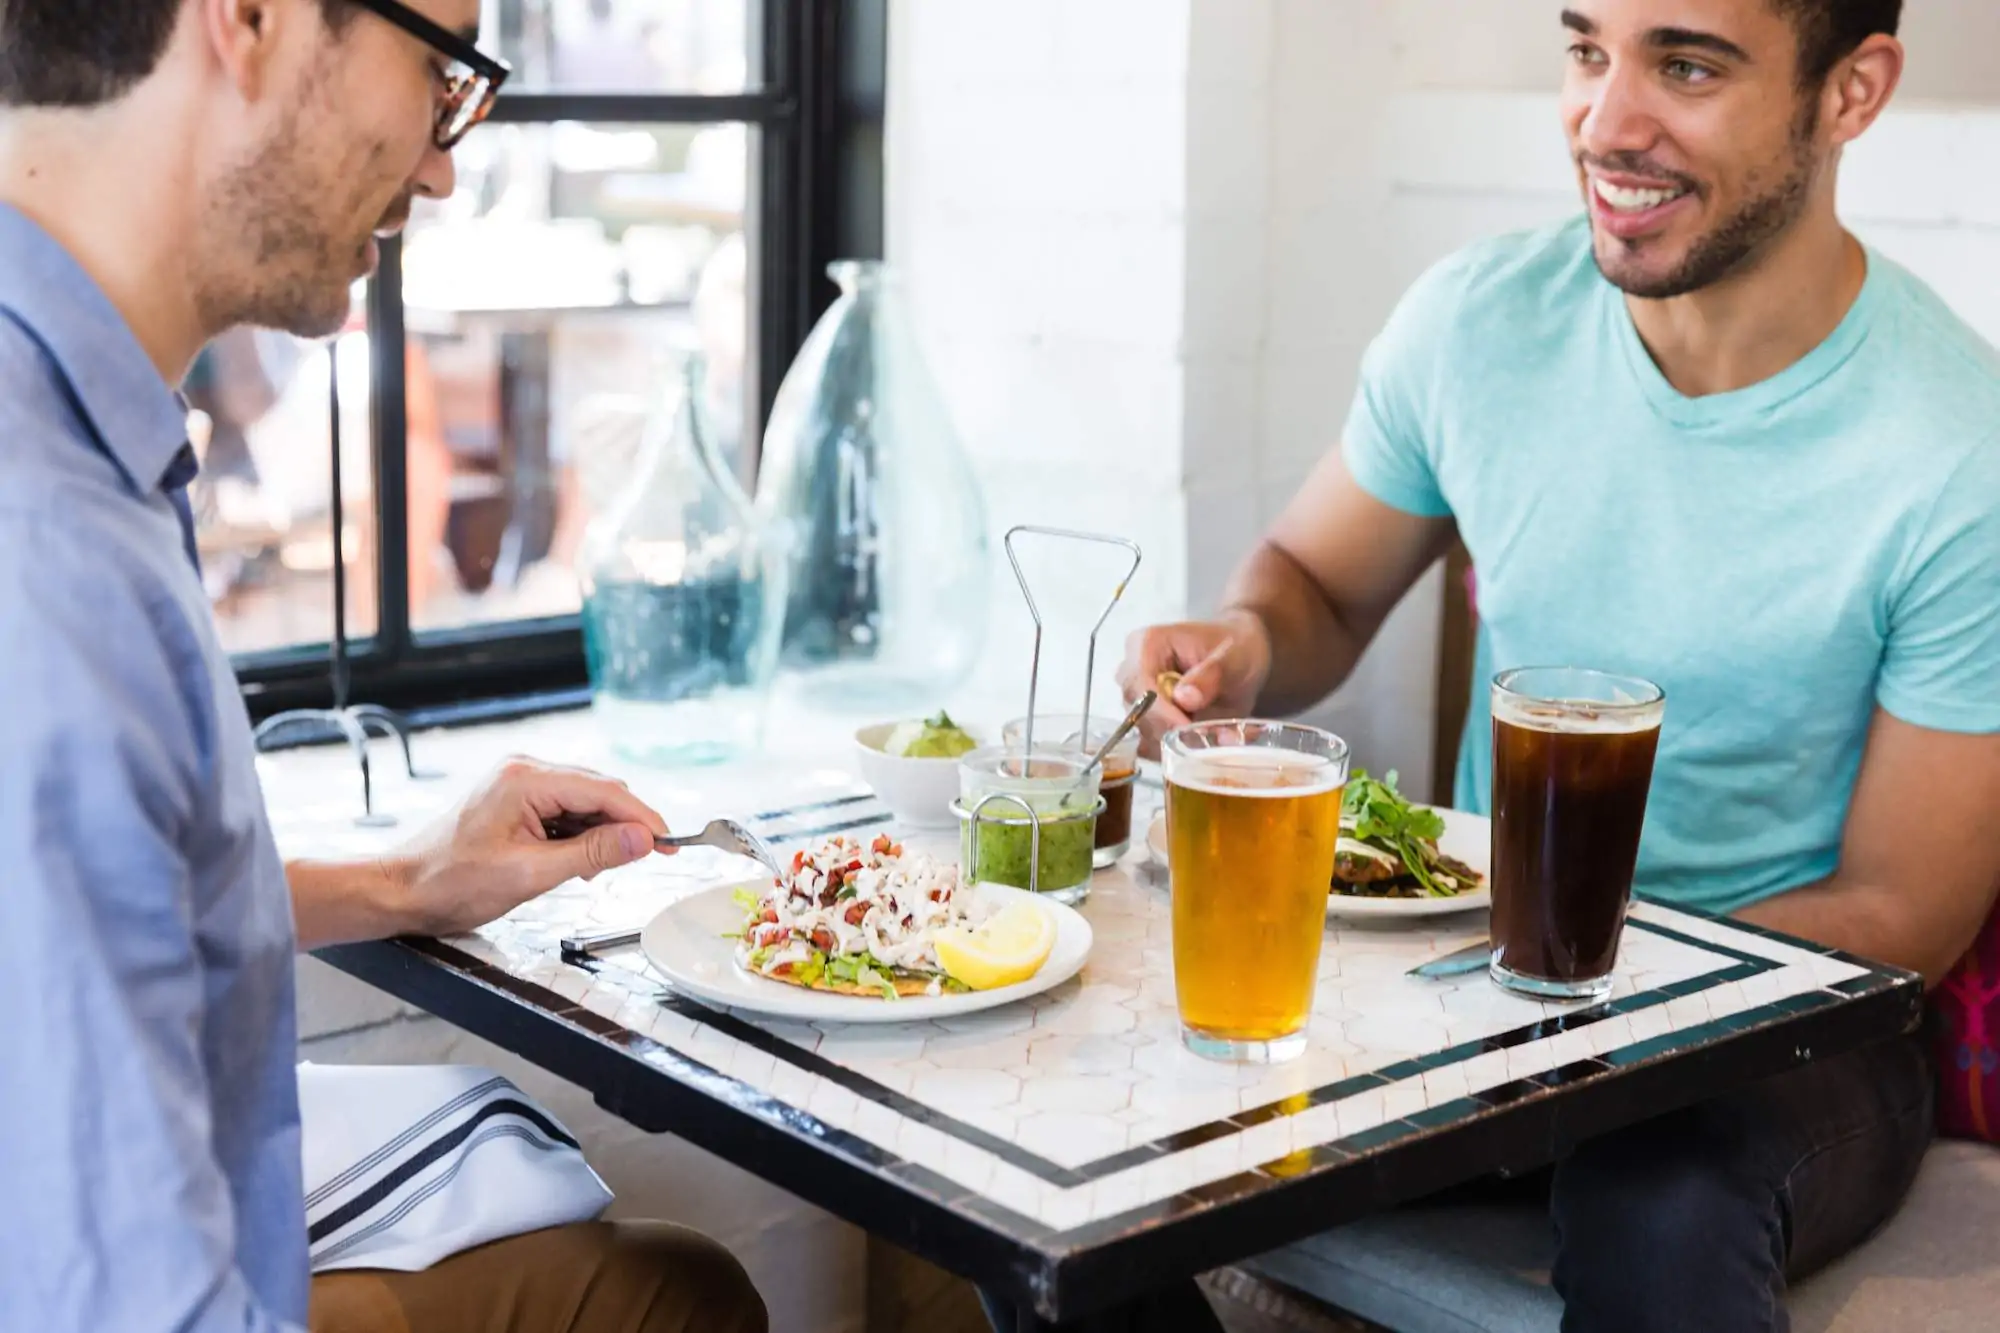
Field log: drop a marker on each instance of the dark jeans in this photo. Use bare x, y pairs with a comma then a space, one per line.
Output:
1698, 1219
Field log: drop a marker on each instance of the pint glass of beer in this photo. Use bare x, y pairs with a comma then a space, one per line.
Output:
1572, 763
1253, 817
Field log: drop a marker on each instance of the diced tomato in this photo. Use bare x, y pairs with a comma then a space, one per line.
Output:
896, 850
822, 939
766, 935
798, 861
937, 895
855, 911
883, 844
835, 877
770, 914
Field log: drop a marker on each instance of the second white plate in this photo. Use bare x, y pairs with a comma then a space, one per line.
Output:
1467, 837
687, 944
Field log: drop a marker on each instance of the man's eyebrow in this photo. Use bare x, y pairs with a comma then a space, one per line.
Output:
1666, 38
1682, 39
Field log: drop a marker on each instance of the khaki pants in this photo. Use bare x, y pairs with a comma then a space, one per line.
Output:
594, 1277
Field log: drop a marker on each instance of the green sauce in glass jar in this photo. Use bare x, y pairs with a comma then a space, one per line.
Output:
998, 837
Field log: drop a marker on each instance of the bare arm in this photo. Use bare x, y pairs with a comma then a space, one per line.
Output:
1325, 577
488, 857
1298, 613
1920, 856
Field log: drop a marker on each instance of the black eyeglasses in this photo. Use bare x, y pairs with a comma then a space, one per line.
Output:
471, 81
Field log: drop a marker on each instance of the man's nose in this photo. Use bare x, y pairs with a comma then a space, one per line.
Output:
436, 175
1619, 117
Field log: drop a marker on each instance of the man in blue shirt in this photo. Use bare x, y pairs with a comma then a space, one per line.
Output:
168, 170
1705, 437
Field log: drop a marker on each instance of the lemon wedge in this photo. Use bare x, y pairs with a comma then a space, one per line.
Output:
1011, 946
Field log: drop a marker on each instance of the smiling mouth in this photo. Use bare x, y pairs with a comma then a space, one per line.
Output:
1626, 199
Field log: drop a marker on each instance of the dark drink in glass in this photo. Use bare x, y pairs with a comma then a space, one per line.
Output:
1572, 764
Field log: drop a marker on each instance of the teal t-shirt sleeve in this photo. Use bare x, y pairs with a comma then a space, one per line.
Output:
1941, 666
1390, 441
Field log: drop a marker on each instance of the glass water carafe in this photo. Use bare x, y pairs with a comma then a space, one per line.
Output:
682, 599
883, 521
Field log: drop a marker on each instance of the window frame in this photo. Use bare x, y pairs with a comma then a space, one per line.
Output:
816, 195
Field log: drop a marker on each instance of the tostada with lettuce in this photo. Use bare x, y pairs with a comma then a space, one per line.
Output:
857, 919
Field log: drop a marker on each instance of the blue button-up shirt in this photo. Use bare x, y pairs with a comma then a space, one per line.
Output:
149, 1133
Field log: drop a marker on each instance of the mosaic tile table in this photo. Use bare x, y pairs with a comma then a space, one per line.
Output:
1066, 1150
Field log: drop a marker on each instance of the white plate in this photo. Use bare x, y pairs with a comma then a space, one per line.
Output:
1467, 837
686, 944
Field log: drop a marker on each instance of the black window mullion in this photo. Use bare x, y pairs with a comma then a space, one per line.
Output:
389, 403
780, 295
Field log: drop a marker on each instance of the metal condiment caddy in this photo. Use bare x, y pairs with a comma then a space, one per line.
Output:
970, 819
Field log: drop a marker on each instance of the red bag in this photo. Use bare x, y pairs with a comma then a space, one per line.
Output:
1968, 1005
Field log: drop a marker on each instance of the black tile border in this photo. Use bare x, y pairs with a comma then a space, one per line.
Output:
1063, 1274
1399, 1161
812, 1062
1051, 1173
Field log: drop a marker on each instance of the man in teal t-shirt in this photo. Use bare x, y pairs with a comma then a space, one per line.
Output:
1700, 435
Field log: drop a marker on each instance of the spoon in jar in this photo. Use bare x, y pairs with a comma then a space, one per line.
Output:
1121, 731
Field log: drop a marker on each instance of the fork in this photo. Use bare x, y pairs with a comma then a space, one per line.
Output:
723, 834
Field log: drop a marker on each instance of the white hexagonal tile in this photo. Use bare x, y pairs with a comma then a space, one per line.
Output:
1396, 1034
1394, 997
1087, 1020
833, 1104
975, 1052
856, 1045
956, 1090
1075, 1094
1056, 1053
1071, 1140
1002, 1022
1003, 1122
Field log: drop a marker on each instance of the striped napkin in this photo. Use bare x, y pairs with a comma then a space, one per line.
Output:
408, 1164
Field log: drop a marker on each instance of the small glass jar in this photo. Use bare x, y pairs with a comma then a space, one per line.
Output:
1064, 733
1028, 822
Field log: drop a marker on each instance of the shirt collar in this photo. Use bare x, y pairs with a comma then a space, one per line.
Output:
137, 417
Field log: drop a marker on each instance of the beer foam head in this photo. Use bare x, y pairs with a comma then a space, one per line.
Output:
1256, 770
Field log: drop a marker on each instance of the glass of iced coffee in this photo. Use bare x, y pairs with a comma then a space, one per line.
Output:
1572, 764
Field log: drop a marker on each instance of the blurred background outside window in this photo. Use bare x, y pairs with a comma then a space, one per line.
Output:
613, 216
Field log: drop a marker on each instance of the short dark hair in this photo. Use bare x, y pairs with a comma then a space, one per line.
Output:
59, 53
1830, 30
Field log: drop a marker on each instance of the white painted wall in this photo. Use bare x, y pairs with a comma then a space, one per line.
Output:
1035, 212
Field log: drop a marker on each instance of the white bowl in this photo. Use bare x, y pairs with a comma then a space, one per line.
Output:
919, 792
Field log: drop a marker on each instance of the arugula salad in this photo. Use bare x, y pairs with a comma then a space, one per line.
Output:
1388, 846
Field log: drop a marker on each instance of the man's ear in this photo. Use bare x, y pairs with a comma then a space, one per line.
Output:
1861, 86
243, 36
